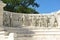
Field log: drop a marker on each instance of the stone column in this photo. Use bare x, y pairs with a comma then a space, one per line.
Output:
1, 13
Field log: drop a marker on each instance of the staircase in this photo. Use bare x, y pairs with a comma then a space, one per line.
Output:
6, 35
40, 34
3, 36
34, 33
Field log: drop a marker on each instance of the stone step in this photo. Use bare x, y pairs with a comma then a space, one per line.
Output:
2, 32
40, 37
1, 28
3, 36
31, 29
24, 38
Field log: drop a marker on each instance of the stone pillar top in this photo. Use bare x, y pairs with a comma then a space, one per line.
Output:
1, 6
1, 13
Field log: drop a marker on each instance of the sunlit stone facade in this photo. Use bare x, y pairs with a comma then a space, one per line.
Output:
18, 26
29, 20
32, 26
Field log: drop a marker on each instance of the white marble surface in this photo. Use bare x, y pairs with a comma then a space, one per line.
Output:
29, 26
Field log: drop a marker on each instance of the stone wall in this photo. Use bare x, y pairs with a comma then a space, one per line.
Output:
18, 24
28, 20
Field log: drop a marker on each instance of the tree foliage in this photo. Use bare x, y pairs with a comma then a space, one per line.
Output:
20, 6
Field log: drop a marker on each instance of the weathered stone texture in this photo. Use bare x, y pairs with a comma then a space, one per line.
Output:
32, 26
36, 20
18, 26
1, 12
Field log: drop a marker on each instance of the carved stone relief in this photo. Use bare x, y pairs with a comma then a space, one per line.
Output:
26, 20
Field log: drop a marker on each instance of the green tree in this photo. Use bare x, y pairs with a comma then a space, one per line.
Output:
20, 6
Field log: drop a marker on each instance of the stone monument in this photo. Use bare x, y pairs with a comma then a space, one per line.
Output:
33, 26
18, 26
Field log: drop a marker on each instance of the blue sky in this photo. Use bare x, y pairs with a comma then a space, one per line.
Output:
47, 6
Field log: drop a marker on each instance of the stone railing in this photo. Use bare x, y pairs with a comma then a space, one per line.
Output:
28, 20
